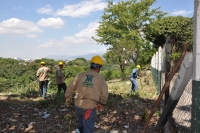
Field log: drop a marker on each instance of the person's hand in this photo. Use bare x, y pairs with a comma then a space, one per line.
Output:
68, 102
99, 107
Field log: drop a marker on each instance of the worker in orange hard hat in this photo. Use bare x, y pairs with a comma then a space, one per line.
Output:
91, 91
42, 74
60, 78
134, 76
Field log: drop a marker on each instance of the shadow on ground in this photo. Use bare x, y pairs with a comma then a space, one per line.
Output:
29, 113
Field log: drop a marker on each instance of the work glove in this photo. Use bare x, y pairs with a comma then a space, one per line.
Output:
99, 107
68, 102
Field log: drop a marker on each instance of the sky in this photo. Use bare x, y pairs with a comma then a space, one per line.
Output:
39, 28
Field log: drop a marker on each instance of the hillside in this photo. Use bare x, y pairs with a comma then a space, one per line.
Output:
67, 57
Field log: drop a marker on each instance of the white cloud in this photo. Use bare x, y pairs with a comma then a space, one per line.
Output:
17, 26
82, 9
101, 51
31, 36
181, 12
89, 31
51, 22
84, 37
45, 10
53, 43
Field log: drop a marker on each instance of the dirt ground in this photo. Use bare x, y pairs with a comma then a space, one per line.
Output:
36, 115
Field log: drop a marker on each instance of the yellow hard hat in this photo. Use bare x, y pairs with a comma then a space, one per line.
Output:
138, 66
60, 63
97, 60
42, 63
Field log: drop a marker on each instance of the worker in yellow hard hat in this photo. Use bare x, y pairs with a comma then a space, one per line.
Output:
134, 76
60, 78
91, 91
42, 74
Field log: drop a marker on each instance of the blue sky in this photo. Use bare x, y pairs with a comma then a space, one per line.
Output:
38, 28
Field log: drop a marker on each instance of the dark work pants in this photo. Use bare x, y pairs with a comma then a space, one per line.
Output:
87, 125
62, 86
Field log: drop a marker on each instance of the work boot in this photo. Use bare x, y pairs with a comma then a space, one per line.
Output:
80, 129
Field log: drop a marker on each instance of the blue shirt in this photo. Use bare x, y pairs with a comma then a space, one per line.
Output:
135, 73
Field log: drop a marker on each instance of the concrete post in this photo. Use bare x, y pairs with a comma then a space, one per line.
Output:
160, 58
195, 123
159, 68
181, 82
157, 72
167, 65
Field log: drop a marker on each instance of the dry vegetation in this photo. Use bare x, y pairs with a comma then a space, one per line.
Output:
124, 112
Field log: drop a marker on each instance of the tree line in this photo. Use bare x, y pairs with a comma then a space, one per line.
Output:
133, 30
18, 73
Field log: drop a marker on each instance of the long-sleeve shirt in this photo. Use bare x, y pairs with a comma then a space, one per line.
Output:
59, 76
90, 88
135, 73
42, 73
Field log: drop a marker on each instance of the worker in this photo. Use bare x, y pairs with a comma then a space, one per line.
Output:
60, 78
42, 75
134, 76
91, 91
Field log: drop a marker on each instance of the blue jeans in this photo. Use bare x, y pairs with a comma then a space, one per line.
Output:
43, 87
86, 124
134, 84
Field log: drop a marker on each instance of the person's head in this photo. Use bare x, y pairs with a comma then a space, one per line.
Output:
60, 64
42, 63
96, 63
138, 66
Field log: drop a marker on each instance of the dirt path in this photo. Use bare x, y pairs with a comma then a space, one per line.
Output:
35, 115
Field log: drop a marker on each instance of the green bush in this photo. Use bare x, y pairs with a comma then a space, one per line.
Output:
110, 74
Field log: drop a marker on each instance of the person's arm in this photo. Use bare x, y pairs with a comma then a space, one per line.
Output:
71, 88
70, 91
104, 93
137, 74
38, 73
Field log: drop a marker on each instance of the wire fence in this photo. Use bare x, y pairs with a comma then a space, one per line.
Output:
182, 112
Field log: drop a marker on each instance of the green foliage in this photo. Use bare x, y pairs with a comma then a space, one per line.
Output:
145, 57
110, 74
175, 56
20, 76
79, 62
15, 74
121, 28
178, 27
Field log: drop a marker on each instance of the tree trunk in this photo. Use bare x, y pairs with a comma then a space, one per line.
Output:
122, 72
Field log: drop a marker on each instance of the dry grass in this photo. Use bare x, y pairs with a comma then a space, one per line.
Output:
122, 109
147, 89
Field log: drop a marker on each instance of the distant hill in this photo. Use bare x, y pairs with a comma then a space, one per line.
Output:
66, 57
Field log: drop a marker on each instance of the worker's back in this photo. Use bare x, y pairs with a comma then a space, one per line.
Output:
90, 88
